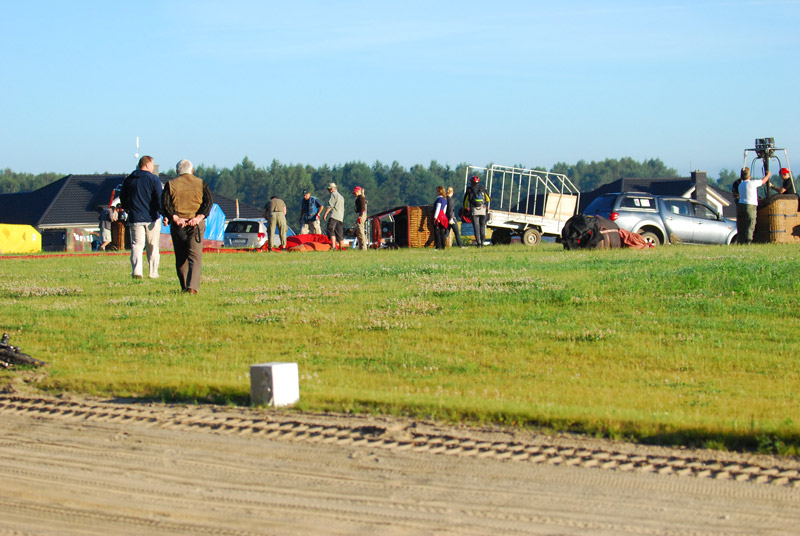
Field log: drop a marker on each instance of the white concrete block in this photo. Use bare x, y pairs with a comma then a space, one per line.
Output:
275, 384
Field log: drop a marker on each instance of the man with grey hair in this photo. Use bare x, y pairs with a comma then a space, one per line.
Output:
141, 199
187, 202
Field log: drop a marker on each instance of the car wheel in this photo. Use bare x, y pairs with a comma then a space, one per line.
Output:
501, 237
651, 238
531, 237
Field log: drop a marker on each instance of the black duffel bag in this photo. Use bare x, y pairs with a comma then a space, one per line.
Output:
589, 232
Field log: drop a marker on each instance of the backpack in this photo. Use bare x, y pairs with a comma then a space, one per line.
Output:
589, 232
477, 197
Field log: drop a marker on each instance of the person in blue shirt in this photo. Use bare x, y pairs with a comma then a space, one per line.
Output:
440, 221
309, 214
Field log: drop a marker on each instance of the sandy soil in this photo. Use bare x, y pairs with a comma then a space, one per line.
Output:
80, 466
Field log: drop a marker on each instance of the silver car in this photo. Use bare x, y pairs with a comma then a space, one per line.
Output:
245, 233
663, 220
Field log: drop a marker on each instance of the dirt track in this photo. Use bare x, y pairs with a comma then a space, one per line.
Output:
76, 466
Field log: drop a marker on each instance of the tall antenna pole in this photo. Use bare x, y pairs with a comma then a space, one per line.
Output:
137, 149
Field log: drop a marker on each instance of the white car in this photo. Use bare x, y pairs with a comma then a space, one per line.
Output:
245, 233
249, 233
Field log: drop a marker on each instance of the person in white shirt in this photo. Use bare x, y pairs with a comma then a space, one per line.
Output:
747, 207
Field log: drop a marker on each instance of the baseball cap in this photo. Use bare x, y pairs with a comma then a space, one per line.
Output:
357, 189
332, 186
305, 192
784, 171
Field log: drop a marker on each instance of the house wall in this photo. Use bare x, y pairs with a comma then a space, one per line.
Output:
70, 239
712, 200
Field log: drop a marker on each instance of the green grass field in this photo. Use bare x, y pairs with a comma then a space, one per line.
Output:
678, 345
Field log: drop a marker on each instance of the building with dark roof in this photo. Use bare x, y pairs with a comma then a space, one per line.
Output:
75, 203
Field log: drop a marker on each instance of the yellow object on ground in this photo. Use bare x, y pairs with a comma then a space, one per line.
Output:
19, 239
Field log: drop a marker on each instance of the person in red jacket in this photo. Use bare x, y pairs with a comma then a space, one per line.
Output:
440, 221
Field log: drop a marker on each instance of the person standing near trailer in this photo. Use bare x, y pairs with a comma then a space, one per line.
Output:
451, 218
476, 200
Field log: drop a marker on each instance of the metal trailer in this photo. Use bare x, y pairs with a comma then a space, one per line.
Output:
529, 203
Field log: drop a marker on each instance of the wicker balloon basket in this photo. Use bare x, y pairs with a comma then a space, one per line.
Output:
119, 236
420, 226
778, 220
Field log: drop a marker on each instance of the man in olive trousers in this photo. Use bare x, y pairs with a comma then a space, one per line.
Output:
186, 202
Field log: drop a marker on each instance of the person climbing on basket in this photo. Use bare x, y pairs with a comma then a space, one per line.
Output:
787, 186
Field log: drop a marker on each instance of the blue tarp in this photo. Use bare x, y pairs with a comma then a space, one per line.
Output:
215, 224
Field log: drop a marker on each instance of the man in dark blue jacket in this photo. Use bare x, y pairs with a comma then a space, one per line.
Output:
141, 199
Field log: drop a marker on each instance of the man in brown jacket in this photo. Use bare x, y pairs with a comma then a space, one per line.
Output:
186, 202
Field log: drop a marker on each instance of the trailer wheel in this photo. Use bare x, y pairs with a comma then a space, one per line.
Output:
531, 237
501, 237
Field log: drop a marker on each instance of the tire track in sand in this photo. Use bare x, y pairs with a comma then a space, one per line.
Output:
283, 428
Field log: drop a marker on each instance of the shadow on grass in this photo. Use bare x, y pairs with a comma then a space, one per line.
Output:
218, 397
778, 443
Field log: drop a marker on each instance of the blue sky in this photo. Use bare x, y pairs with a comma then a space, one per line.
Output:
327, 82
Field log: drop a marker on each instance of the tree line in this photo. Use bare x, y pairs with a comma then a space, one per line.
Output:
12, 183
386, 185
